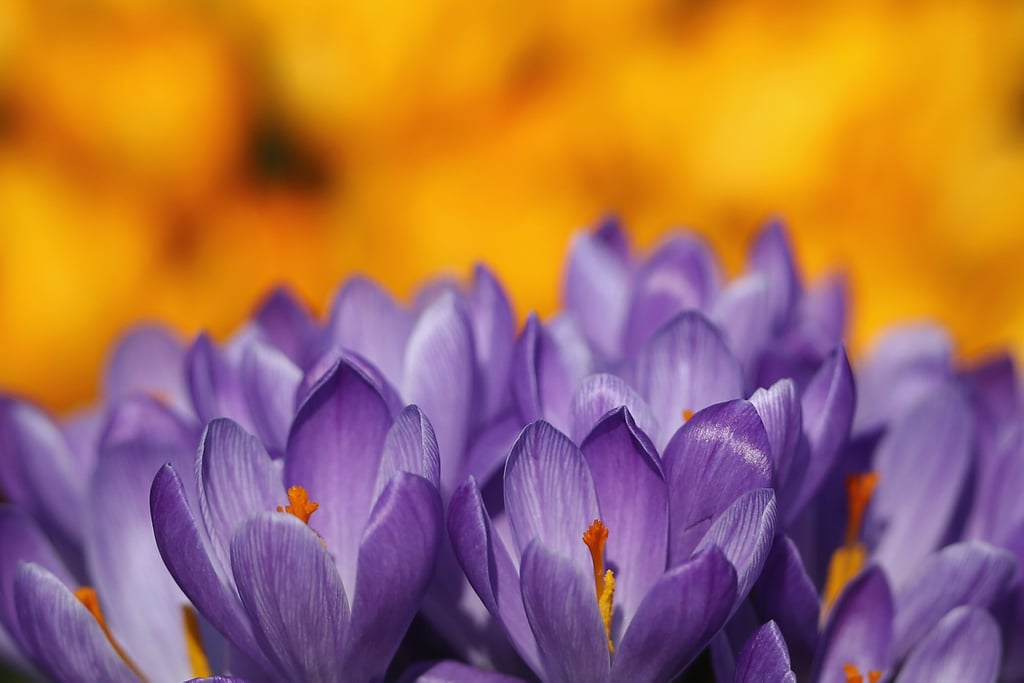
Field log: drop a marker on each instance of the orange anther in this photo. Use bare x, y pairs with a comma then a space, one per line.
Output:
299, 504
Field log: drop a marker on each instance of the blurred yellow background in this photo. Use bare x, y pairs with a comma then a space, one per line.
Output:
172, 159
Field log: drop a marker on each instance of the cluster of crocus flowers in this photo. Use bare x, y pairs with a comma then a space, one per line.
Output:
675, 471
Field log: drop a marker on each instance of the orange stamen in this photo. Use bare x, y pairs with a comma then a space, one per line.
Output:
848, 560
299, 504
87, 596
687, 414
859, 488
853, 675
595, 538
194, 644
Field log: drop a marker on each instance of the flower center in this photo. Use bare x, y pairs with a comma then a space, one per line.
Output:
299, 504
604, 581
194, 643
87, 596
848, 560
853, 675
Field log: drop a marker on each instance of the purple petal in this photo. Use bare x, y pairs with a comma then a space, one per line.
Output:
972, 574
718, 455
999, 482
785, 594
410, 447
922, 464
827, 405
681, 275
563, 613
218, 679
765, 658
824, 307
64, 638
214, 382
366, 320
772, 256
334, 451
148, 360
744, 533
858, 630
293, 594
490, 448
782, 416
396, 560
271, 382
677, 619
599, 394
82, 431
144, 419
964, 647
285, 322
549, 492
494, 329
633, 498
236, 480
743, 312
490, 569
597, 291
686, 366
457, 672
439, 378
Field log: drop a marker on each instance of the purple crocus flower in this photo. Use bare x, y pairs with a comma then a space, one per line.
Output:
304, 596
653, 578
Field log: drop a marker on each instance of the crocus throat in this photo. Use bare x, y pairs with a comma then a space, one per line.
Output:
848, 560
853, 675
194, 643
299, 504
87, 596
604, 581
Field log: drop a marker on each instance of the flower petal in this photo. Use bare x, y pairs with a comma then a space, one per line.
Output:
64, 638
973, 574
599, 394
293, 595
149, 359
439, 378
489, 568
494, 329
334, 451
677, 619
270, 381
765, 658
563, 613
285, 323
457, 672
964, 647
214, 383
686, 366
744, 314
719, 454
922, 464
780, 412
858, 630
396, 560
549, 493
410, 447
772, 256
597, 291
633, 498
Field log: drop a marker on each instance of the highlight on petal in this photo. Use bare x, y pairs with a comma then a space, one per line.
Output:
765, 658
964, 646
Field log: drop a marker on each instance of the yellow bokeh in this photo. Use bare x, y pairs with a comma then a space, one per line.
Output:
172, 159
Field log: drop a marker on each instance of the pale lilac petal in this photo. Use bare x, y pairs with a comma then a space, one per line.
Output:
142, 418
785, 594
494, 329
858, 630
489, 568
285, 322
599, 394
744, 533
563, 613
597, 291
549, 492
824, 307
686, 366
633, 498
64, 638
718, 455
214, 384
410, 446
964, 648
439, 378
457, 672
772, 256
973, 574
1000, 479
744, 314
922, 463
149, 360
396, 560
489, 450
677, 619
334, 451
271, 383
293, 594
765, 658
780, 411
366, 320
236, 479
82, 430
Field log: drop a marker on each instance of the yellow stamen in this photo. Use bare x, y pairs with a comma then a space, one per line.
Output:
87, 596
849, 559
604, 581
853, 675
194, 644
687, 414
299, 504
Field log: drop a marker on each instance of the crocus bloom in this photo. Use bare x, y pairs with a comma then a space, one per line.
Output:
312, 566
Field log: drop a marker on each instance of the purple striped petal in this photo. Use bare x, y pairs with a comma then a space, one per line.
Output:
366, 320
686, 366
149, 360
725, 444
765, 658
270, 381
494, 329
677, 619
549, 492
410, 447
563, 613
396, 560
293, 594
782, 416
334, 451
964, 647
858, 630
64, 638
597, 291
633, 498
786, 595
599, 394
